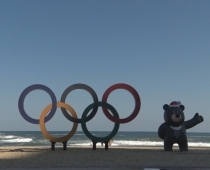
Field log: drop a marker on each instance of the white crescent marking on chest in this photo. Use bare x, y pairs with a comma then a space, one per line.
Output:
176, 128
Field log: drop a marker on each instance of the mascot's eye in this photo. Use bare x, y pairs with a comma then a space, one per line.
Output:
174, 112
177, 111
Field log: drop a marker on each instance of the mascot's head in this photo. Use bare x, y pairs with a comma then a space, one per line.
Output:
174, 114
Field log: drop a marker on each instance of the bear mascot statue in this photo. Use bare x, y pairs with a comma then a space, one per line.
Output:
173, 130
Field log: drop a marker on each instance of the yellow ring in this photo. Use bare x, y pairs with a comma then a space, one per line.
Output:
44, 130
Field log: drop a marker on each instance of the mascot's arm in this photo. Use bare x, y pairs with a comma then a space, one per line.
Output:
194, 121
161, 131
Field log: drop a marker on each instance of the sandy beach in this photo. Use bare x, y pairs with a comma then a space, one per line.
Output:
25, 157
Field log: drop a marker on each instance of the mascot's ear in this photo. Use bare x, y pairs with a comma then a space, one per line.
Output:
165, 107
182, 107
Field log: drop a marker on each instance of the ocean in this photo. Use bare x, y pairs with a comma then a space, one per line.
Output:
35, 138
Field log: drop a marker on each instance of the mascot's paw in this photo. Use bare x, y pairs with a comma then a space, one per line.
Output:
198, 117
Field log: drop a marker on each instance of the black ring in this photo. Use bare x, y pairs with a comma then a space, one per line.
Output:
88, 89
100, 139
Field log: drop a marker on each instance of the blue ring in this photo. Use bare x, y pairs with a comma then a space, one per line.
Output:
25, 93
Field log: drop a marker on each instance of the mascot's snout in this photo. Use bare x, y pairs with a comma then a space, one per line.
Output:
176, 117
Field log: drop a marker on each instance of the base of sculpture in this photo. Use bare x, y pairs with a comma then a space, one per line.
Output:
106, 145
53, 145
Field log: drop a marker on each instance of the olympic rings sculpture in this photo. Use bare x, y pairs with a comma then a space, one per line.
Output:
51, 108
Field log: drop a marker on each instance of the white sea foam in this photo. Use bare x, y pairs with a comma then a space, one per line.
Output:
136, 143
199, 144
141, 143
9, 136
82, 144
90, 144
16, 140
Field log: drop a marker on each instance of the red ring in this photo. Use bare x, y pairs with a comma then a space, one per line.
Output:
136, 98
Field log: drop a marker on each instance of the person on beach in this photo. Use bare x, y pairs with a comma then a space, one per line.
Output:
109, 143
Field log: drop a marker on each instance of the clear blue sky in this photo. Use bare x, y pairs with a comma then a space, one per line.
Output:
161, 48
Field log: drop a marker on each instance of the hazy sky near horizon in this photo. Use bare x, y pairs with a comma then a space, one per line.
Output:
161, 48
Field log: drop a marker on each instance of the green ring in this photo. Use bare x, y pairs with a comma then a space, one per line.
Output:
88, 134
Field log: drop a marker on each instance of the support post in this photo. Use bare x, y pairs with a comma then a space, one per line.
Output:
106, 145
64, 145
52, 145
94, 145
